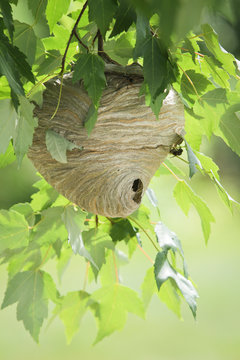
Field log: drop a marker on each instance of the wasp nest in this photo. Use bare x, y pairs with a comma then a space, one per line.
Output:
127, 145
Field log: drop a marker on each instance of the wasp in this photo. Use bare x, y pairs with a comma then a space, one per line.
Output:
176, 151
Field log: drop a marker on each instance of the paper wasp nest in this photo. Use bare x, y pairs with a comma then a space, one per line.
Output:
127, 145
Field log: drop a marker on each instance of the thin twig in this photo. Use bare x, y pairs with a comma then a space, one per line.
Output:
176, 177
71, 36
80, 41
146, 233
45, 256
101, 51
190, 81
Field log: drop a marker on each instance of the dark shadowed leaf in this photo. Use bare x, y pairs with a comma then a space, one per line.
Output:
102, 14
7, 16
125, 16
90, 68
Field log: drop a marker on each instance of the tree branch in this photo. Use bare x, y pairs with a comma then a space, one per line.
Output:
71, 36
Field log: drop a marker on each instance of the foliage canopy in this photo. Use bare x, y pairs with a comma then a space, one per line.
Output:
40, 39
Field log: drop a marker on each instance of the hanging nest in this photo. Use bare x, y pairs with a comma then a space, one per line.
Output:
127, 145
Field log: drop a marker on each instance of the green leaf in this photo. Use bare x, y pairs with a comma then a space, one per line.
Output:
121, 49
30, 289
7, 16
55, 10
214, 97
74, 221
45, 196
96, 242
156, 68
149, 287
185, 196
140, 220
230, 127
227, 199
8, 157
13, 230
37, 16
193, 160
115, 302
167, 239
208, 165
168, 292
24, 128
164, 271
50, 228
25, 39
91, 119
193, 85
90, 68
142, 33
71, 310
102, 14
51, 63
125, 16
57, 145
211, 41
13, 60
26, 210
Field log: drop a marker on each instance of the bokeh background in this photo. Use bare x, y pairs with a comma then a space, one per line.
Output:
215, 269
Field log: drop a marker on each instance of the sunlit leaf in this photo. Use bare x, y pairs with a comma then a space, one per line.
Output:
13, 230
71, 310
8, 157
185, 196
30, 289
115, 302
55, 10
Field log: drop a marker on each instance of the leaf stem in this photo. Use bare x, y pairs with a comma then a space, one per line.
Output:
176, 177
190, 81
145, 254
145, 232
45, 257
71, 36
59, 98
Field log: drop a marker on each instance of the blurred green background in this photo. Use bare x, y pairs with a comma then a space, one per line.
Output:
215, 269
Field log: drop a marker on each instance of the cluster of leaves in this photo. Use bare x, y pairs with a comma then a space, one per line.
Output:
40, 39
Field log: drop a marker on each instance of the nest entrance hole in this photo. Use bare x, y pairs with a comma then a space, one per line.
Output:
137, 187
